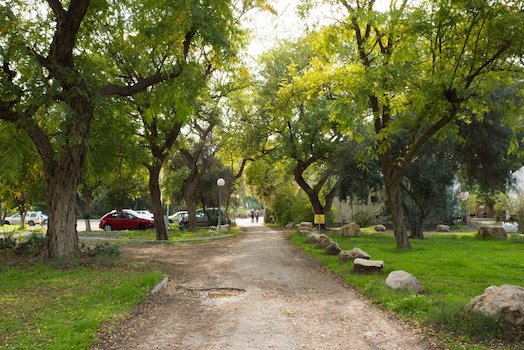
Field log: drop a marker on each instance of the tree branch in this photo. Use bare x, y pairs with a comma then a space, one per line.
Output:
143, 84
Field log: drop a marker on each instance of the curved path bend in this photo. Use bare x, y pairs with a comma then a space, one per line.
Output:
255, 291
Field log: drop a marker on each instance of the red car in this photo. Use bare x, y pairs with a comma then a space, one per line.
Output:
125, 220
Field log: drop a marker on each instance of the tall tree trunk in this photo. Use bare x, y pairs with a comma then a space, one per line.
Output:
189, 191
87, 214
394, 197
62, 238
62, 169
156, 201
313, 193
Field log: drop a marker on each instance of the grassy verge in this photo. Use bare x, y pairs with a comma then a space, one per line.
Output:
452, 268
13, 229
173, 235
46, 307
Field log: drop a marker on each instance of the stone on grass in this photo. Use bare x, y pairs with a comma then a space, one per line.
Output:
505, 302
305, 225
442, 228
492, 232
379, 228
367, 266
510, 227
313, 238
224, 228
324, 241
290, 224
350, 230
333, 249
352, 254
402, 280
304, 232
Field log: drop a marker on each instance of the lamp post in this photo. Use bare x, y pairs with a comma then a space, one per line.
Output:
220, 182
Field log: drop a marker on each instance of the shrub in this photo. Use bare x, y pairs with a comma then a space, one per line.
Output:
478, 326
103, 249
290, 205
363, 219
34, 243
8, 242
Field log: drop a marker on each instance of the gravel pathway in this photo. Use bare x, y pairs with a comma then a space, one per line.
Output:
255, 291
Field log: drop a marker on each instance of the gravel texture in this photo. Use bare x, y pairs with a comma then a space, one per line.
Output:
255, 291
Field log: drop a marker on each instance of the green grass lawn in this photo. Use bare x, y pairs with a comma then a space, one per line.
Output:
43, 307
173, 235
452, 268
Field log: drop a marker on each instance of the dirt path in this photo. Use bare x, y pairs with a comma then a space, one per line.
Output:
252, 292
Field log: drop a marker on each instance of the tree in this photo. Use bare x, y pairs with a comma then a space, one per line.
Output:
194, 147
295, 113
58, 69
20, 172
427, 185
419, 67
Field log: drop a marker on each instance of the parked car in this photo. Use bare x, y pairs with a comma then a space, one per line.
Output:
175, 218
125, 220
32, 218
209, 217
146, 213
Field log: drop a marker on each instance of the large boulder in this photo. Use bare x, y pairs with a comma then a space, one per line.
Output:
324, 241
402, 280
305, 225
442, 228
225, 228
505, 302
333, 249
510, 227
304, 232
350, 230
367, 266
313, 238
350, 255
492, 232
380, 228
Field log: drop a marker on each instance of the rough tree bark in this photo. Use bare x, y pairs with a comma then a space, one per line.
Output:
313, 193
156, 201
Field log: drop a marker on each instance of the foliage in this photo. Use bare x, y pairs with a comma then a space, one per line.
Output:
415, 70
363, 219
8, 242
489, 147
33, 244
503, 204
55, 81
427, 186
358, 174
294, 104
289, 205
451, 280
103, 249
49, 308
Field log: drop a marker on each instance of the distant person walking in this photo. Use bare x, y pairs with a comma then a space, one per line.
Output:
257, 214
252, 215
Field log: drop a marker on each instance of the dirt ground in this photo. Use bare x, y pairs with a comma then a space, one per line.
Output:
255, 291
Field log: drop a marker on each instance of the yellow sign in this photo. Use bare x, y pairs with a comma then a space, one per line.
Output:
320, 219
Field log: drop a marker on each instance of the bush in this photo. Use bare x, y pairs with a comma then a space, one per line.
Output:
103, 249
8, 242
363, 219
480, 327
290, 205
35, 242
